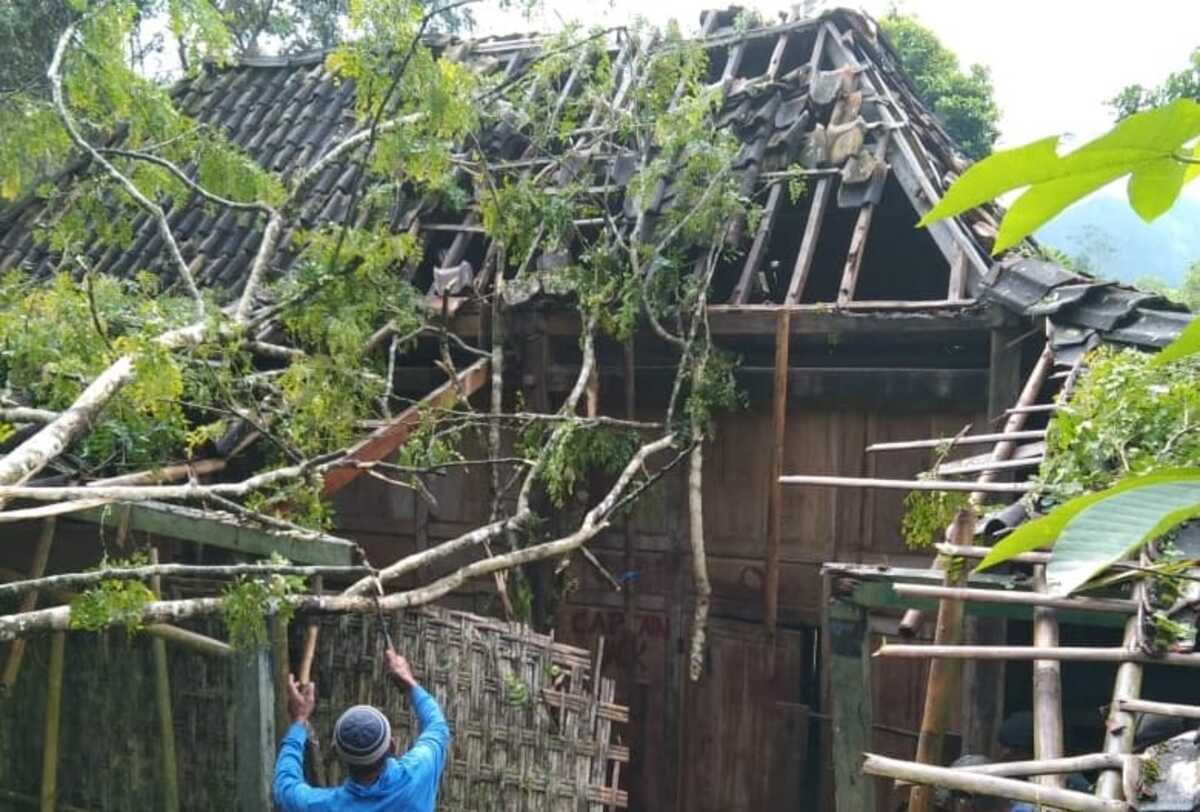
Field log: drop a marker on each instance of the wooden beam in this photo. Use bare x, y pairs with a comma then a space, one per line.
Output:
1117, 605
957, 288
1048, 734
808, 243
1079, 654
16, 649
906, 484
933, 319
862, 227
967, 439
762, 237
774, 488
223, 530
858, 318
254, 693
386, 440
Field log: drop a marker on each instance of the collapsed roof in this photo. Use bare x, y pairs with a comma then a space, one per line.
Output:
823, 97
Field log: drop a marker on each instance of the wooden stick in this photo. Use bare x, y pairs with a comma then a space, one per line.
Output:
166, 717
976, 551
169, 473
862, 227
41, 555
953, 469
1050, 766
808, 243
1159, 708
774, 487
943, 686
199, 643
978, 784
1066, 653
311, 633
54, 686
1034, 409
968, 439
1047, 687
1015, 598
1120, 725
906, 484
314, 765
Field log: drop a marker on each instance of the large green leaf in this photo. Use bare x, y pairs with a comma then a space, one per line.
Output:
1045, 530
1144, 146
1115, 527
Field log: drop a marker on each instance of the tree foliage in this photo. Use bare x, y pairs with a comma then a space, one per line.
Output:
285, 375
963, 100
1183, 84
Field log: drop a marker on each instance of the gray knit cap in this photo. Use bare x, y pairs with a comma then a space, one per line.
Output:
362, 735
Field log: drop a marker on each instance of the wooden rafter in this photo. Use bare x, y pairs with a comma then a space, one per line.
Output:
387, 439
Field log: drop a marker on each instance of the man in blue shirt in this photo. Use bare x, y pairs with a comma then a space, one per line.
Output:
378, 782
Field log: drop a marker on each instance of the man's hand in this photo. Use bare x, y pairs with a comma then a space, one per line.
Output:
398, 670
301, 699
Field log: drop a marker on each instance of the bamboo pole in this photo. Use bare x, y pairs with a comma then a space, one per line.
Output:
1159, 708
199, 643
962, 469
54, 686
993, 785
966, 439
311, 633
1120, 725
1015, 598
907, 484
166, 716
1066, 653
1047, 686
1050, 766
943, 683
774, 487
977, 552
41, 556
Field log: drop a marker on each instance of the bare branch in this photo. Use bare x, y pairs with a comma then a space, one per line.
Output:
54, 74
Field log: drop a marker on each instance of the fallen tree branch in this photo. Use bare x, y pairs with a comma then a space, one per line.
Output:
74, 580
54, 74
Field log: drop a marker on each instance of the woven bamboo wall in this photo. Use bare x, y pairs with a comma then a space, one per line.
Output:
532, 727
109, 756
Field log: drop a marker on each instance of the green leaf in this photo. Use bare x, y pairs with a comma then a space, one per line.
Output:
1185, 344
1154, 188
1144, 146
994, 175
1116, 526
1045, 530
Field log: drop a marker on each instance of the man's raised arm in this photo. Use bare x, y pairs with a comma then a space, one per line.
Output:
427, 756
290, 791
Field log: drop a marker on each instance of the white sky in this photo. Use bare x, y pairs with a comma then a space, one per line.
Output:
1053, 62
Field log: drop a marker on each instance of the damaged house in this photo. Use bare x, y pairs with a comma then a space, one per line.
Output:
853, 331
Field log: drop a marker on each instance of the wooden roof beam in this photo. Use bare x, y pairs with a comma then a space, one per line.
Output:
386, 440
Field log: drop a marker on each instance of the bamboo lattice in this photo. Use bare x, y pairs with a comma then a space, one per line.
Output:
532, 723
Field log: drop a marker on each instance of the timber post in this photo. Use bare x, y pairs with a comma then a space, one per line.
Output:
255, 696
848, 632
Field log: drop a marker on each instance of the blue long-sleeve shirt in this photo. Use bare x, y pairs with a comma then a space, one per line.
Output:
406, 784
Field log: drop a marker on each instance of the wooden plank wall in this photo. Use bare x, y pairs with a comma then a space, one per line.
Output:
735, 740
